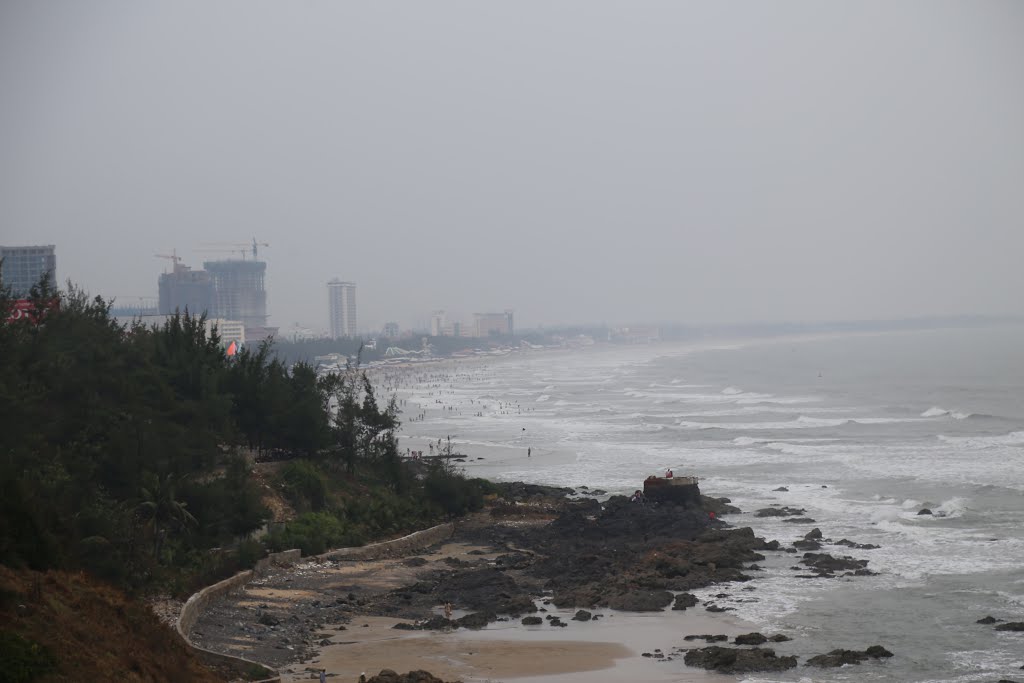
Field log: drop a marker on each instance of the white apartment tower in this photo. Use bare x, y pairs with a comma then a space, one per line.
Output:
341, 303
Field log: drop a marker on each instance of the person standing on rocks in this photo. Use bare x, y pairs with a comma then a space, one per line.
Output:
448, 611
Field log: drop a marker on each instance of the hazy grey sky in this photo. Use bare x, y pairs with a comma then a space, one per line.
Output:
577, 161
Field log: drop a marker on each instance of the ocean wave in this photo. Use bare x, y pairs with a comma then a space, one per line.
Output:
936, 411
981, 442
542, 398
802, 422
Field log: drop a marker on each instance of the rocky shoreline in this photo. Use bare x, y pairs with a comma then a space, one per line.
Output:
535, 549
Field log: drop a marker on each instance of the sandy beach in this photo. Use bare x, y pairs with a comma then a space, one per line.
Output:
604, 649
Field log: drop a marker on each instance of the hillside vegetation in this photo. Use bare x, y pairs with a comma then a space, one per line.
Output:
123, 454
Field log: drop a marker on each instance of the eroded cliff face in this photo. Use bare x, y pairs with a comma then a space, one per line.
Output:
74, 628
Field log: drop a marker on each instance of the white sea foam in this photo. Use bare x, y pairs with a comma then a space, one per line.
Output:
978, 442
542, 398
936, 411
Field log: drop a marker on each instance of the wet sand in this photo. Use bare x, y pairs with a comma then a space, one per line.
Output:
602, 651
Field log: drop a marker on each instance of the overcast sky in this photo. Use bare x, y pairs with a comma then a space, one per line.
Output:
577, 161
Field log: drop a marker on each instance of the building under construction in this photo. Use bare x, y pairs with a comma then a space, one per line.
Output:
226, 290
186, 289
238, 291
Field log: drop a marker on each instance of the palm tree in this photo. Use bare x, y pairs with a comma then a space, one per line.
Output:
160, 509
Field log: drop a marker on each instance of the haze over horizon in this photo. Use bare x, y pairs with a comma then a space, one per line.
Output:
576, 161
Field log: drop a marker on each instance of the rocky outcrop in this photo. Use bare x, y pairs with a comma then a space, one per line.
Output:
729, 660
823, 564
1011, 626
751, 639
641, 601
842, 657
783, 511
684, 600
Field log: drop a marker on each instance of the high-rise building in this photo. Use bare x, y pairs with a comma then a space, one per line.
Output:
341, 304
23, 267
238, 291
488, 324
186, 289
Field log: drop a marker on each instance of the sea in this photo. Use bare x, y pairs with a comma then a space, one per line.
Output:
863, 431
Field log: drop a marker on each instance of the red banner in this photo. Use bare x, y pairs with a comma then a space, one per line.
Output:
23, 309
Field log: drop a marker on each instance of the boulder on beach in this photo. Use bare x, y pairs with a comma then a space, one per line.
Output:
987, 620
730, 660
582, 615
924, 511
684, 600
641, 601
751, 639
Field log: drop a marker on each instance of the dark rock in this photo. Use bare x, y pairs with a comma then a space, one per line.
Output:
716, 608
415, 561
987, 620
857, 546
924, 511
813, 535
806, 545
799, 520
783, 511
737, 660
751, 639
1011, 626
825, 564
641, 601
781, 488
477, 620
842, 657
269, 619
780, 638
403, 626
709, 638
684, 600
532, 621
582, 615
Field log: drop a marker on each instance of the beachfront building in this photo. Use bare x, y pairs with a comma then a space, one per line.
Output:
341, 304
229, 330
487, 324
23, 267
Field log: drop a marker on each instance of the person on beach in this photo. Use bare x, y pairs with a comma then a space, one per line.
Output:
323, 675
529, 452
448, 611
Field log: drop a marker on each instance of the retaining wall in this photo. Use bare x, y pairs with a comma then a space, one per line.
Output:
197, 603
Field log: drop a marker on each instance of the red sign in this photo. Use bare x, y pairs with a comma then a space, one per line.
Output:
23, 309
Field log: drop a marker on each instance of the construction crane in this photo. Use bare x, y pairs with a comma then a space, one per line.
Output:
173, 256
254, 245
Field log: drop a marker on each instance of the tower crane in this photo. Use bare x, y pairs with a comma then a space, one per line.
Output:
254, 245
173, 256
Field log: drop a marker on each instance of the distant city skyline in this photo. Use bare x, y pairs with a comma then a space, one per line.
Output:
584, 161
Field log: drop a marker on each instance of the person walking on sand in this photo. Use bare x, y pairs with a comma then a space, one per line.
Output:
323, 675
448, 611
529, 452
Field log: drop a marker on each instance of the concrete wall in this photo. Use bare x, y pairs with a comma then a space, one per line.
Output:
394, 548
198, 603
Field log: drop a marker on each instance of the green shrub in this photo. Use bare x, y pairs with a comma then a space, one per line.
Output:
314, 533
23, 660
305, 485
